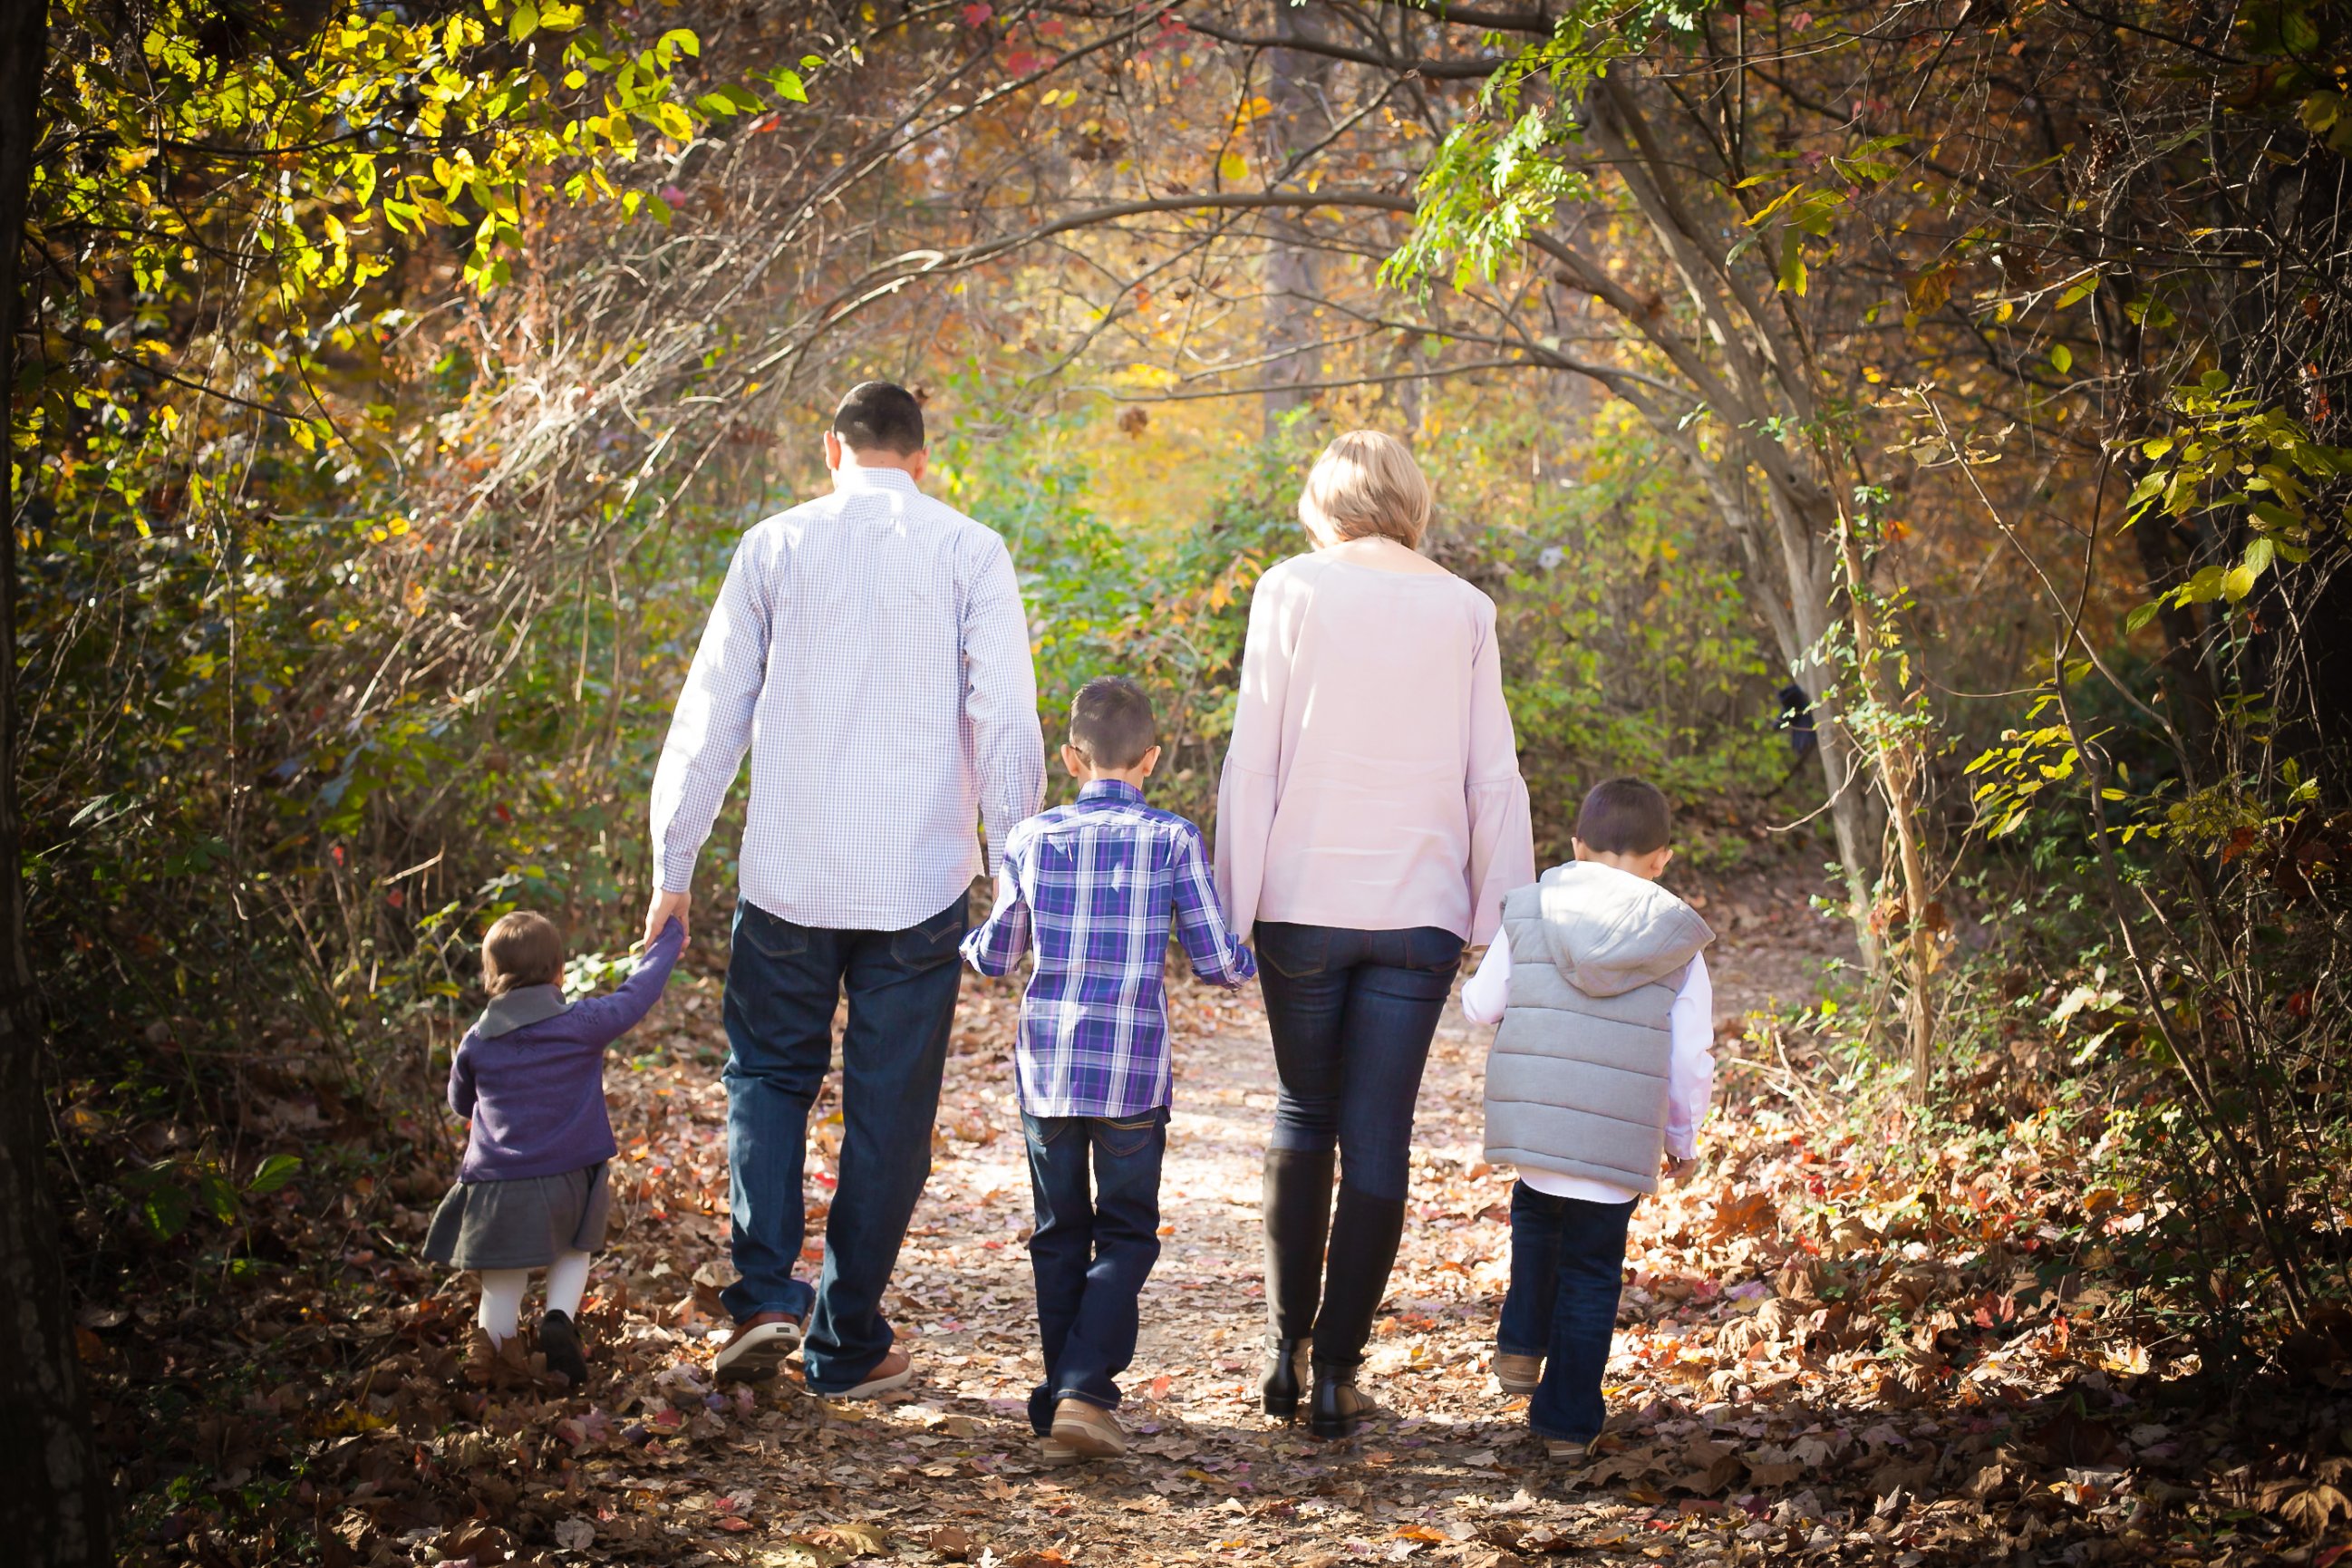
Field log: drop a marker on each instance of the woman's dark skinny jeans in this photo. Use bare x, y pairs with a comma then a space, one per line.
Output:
1352, 1014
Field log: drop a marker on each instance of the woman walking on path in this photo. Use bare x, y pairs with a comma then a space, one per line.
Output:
1370, 818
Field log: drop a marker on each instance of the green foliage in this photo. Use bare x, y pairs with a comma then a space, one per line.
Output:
1498, 175
2254, 467
1629, 645
1166, 605
291, 730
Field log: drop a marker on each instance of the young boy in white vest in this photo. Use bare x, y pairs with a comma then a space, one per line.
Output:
1597, 1082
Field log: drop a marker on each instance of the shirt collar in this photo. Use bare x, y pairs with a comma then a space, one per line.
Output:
520, 1008
1110, 789
851, 476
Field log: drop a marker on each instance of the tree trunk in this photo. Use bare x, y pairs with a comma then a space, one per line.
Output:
1297, 121
53, 1502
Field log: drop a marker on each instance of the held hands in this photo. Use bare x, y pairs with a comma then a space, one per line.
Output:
664, 908
1674, 1171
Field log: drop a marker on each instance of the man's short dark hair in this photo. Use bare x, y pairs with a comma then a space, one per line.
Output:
1111, 722
879, 417
1624, 816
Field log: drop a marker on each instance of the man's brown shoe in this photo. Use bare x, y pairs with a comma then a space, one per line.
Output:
757, 1348
892, 1371
1088, 1430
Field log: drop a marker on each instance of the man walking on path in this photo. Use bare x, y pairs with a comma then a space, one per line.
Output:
870, 650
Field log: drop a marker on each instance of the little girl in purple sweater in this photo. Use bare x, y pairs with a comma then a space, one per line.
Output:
530, 1075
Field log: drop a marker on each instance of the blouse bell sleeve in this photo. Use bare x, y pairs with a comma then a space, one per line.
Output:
1502, 832
1250, 788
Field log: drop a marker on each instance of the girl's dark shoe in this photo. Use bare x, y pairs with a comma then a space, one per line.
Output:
1286, 1376
1338, 1407
559, 1341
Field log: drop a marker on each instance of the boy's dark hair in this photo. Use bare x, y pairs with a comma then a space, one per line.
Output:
1111, 722
521, 949
879, 417
1624, 816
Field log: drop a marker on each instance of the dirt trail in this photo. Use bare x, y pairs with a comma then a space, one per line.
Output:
948, 1471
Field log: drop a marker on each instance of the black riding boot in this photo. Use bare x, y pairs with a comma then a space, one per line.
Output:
1298, 1209
1364, 1235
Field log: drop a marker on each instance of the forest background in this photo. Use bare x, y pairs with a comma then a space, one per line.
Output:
389, 385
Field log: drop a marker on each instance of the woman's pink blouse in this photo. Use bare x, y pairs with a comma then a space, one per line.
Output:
1372, 782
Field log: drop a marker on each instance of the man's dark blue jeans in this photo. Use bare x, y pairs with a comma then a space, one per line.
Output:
1568, 1264
784, 982
1091, 1253
1352, 1013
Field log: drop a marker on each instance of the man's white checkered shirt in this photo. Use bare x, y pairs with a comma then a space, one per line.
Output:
870, 650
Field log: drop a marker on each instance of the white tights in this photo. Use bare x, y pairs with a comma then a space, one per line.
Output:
502, 1288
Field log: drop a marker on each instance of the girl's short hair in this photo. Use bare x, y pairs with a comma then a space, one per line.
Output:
521, 949
1366, 484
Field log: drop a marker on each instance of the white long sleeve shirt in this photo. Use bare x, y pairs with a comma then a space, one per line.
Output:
870, 652
1690, 1066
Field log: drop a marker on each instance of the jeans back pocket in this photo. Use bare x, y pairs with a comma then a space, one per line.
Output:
1295, 951
1128, 1136
771, 936
934, 941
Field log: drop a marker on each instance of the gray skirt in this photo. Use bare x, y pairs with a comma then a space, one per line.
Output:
521, 1224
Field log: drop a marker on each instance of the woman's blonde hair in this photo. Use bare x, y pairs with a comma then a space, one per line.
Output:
1367, 484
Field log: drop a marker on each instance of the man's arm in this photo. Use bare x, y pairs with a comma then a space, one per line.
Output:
709, 729
1217, 954
1001, 697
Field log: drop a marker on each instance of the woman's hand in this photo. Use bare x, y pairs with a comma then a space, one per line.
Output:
1676, 1170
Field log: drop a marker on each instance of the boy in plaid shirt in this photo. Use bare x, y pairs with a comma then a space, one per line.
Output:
1093, 889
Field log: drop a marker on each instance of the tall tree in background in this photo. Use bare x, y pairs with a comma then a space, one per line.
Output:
53, 1507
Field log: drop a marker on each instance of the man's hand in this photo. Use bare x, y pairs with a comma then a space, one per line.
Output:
1674, 1170
662, 910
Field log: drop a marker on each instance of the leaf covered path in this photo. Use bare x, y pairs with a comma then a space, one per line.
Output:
1829, 1351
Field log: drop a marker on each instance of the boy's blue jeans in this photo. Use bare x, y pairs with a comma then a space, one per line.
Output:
1568, 1264
1091, 1253
784, 982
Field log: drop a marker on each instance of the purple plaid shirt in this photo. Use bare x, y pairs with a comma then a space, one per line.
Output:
1094, 886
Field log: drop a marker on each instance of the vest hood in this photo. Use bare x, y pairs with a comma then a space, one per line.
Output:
1611, 932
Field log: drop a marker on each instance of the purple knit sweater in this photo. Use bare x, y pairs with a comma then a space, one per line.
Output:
535, 1089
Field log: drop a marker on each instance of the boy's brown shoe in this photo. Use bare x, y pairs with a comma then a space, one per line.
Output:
757, 1348
1088, 1430
1056, 1455
1562, 1451
895, 1369
1517, 1374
